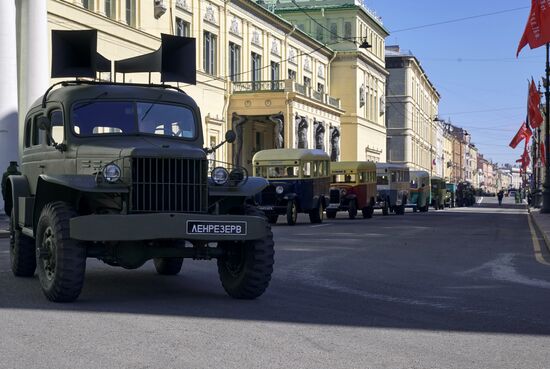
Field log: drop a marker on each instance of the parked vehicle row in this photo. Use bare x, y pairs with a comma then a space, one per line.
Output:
306, 181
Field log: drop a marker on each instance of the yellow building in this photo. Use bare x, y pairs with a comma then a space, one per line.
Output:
412, 112
357, 67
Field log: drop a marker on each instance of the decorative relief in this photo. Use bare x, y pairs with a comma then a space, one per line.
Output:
319, 129
234, 27
362, 95
292, 55
182, 4
334, 143
307, 63
321, 71
301, 131
210, 14
256, 40
275, 47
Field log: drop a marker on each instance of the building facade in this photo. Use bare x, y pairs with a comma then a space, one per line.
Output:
357, 67
412, 114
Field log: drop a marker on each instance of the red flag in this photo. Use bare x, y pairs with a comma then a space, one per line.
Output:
542, 154
525, 160
533, 106
537, 30
522, 134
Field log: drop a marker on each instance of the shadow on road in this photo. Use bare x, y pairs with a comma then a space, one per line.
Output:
197, 293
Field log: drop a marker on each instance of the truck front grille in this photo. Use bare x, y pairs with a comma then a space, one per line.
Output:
269, 196
335, 196
169, 185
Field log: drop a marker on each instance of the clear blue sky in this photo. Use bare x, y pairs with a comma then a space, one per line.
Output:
472, 63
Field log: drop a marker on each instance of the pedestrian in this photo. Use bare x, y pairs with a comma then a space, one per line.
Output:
500, 195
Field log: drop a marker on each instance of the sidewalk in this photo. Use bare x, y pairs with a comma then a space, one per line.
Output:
4, 226
542, 223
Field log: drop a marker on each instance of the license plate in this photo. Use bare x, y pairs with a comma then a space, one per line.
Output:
216, 228
264, 208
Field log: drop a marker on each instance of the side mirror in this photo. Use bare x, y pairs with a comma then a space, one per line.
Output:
230, 136
44, 124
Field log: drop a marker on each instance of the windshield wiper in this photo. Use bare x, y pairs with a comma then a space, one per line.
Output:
151, 107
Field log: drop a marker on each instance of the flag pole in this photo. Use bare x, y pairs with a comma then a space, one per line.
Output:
546, 192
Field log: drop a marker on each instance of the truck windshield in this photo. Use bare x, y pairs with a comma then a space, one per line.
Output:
132, 117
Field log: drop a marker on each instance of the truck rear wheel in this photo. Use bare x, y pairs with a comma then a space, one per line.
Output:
352, 209
272, 219
316, 214
245, 269
331, 214
367, 212
60, 260
22, 254
291, 212
168, 266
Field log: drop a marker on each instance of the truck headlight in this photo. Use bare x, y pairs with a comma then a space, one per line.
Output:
220, 175
111, 173
279, 189
344, 192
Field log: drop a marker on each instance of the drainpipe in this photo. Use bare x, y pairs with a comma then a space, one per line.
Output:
288, 116
8, 97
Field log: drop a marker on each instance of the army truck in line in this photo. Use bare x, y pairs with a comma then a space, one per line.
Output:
392, 184
118, 172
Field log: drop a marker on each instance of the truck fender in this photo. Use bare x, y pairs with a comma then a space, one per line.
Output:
18, 186
249, 188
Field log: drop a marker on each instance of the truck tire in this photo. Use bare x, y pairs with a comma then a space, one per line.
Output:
22, 251
60, 260
316, 214
168, 266
331, 214
367, 212
291, 212
245, 270
352, 210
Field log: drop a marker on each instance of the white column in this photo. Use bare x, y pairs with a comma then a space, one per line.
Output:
8, 86
34, 56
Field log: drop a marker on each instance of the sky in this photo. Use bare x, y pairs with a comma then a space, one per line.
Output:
472, 63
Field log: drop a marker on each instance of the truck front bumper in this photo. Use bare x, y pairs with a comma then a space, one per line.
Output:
184, 226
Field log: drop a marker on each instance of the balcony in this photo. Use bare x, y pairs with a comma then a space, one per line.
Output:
287, 85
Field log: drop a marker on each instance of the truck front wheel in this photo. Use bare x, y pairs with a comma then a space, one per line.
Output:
22, 255
246, 267
60, 260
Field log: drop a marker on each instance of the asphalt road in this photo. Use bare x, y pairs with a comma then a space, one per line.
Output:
459, 288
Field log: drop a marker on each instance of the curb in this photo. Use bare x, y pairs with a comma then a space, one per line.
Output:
544, 235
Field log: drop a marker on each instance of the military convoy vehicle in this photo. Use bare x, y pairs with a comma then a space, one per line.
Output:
353, 187
298, 183
118, 172
392, 184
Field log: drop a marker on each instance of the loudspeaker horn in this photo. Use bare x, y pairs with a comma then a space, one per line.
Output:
74, 54
175, 60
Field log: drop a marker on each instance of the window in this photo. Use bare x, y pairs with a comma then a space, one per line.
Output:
28, 133
275, 71
36, 138
210, 53
320, 33
307, 81
234, 62
130, 118
56, 119
333, 32
182, 28
347, 30
131, 12
256, 69
292, 74
110, 8
320, 88
88, 4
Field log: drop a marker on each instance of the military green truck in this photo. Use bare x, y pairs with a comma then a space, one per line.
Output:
118, 172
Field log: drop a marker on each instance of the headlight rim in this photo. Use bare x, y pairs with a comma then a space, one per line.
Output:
110, 178
279, 190
214, 178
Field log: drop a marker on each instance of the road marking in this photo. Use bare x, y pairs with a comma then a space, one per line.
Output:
536, 243
5, 252
320, 225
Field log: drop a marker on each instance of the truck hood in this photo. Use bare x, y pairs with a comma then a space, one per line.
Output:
139, 147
